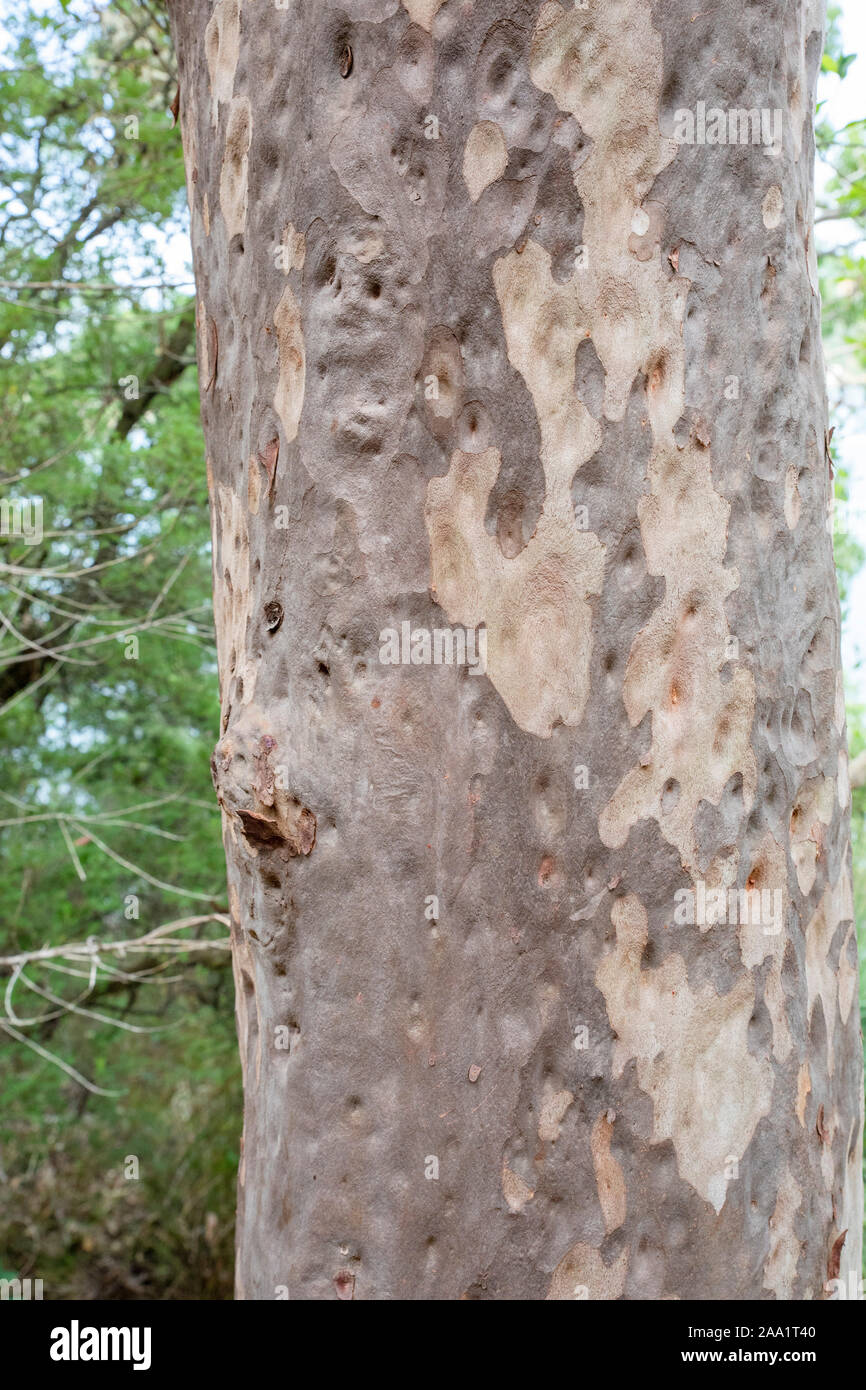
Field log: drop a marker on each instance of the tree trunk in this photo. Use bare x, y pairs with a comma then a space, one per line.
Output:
509, 332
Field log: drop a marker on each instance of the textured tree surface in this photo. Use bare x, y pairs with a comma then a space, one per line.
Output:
490, 341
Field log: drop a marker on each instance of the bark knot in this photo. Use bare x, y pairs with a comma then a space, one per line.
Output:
248, 789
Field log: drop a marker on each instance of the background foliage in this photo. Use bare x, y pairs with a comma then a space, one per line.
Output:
108, 697
106, 744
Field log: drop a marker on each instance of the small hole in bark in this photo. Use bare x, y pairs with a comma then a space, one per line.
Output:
273, 615
347, 61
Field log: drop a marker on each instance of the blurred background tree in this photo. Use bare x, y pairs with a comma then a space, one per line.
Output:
119, 1133
108, 700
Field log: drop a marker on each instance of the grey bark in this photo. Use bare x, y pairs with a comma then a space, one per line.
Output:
486, 344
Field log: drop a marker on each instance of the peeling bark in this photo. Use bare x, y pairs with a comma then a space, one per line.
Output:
545, 961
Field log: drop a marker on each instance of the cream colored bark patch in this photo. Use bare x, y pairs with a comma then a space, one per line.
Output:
792, 497
365, 248
289, 395
203, 345
544, 324
485, 158
515, 1191
534, 604
423, 12
609, 1179
254, 486
701, 725
235, 166
692, 1054
293, 250
622, 298
780, 1268
222, 45
804, 1086
232, 593
583, 1274
554, 1105
812, 813
773, 207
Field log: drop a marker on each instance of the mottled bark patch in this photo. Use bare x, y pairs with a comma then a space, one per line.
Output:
554, 1106
238, 668
534, 604
810, 818
583, 1274
289, 395
780, 1267
235, 166
485, 158
688, 1045
423, 12
609, 1178
515, 1190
